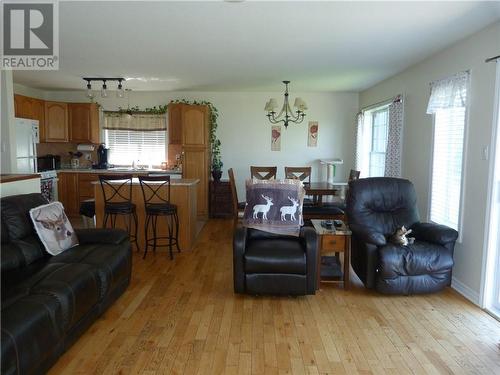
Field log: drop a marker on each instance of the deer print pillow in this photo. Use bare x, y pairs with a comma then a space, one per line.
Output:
274, 206
53, 227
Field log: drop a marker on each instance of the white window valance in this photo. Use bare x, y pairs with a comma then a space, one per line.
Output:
450, 92
139, 122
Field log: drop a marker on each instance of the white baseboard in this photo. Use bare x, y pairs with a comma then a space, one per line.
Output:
465, 291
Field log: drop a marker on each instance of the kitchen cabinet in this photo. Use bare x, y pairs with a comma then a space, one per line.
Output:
195, 125
56, 122
32, 108
83, 122
67, 190
175, 123
221, 201
196, 165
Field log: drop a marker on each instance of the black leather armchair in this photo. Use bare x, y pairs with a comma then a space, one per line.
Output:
265, 263
49, 301
375, 208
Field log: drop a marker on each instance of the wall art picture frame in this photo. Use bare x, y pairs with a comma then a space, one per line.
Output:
276, 138
312, 134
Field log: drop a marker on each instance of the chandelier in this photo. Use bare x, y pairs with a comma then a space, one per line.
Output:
286, 114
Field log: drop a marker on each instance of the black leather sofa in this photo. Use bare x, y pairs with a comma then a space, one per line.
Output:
265, 263
49, 301
375, 208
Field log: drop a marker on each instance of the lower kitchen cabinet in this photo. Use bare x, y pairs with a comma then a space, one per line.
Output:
67, 190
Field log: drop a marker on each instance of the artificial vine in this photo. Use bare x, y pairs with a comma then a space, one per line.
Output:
153, 110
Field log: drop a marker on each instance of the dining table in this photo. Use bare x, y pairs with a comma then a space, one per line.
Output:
322, 188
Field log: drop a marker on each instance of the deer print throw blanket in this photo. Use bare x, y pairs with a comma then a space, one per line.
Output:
53, 227
274, 206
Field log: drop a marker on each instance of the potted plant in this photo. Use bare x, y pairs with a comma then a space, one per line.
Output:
216, 161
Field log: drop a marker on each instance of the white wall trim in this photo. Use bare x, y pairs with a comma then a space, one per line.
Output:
465, 291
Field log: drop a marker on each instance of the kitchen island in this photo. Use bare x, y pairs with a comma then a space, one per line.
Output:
182, 194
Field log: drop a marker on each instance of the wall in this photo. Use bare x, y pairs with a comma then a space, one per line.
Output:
245, 131
7, 136
469, 53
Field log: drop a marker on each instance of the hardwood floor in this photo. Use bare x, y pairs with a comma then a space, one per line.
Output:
181, 316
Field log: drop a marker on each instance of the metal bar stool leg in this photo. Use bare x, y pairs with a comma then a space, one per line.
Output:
170, 234
146, 227
136, 224
177, 231
155, 234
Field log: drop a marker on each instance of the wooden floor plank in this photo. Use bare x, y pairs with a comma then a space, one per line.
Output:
182, 317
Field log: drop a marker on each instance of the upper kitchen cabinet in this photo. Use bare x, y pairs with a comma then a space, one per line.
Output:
195, 124
26, 107
188, 124
83, 122
56, 122
175, 123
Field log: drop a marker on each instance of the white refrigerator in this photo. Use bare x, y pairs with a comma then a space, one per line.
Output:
27, 137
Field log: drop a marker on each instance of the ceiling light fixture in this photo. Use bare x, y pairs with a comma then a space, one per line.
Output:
104, 91
286, 114
90, 93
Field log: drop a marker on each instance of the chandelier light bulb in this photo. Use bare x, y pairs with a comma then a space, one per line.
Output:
104, 90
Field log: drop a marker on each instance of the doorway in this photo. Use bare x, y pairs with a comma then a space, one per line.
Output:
491, 282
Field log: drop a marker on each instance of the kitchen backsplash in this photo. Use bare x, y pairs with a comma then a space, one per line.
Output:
63, 149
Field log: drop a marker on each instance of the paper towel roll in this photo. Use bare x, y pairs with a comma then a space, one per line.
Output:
87, 148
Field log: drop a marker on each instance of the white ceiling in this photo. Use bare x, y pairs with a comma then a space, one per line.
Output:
253, 46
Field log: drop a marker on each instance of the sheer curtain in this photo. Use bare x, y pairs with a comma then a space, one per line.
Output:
449, 92
138, 122
393, 153
358, 141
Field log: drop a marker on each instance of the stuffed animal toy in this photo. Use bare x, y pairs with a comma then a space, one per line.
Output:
399, 237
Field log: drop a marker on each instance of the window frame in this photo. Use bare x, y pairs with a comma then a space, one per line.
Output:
464, 169
383, 108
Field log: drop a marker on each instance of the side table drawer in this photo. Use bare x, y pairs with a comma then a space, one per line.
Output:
332, 242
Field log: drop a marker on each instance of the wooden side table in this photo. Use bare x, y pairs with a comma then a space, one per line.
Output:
221, 202
332, 242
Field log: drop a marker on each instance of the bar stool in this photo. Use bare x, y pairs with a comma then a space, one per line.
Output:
156, 193
87, 211
118, 202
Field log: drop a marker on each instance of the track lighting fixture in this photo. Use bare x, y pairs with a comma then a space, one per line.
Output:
120, 93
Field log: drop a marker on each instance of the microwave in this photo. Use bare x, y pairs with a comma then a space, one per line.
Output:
48, 163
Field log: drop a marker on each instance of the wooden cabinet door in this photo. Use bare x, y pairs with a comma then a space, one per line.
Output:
38, 112
56, 122
23, 106
175, 123
68, 193
195, 125
83, 122
195, 165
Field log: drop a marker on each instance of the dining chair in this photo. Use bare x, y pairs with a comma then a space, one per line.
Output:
300, 173
238, 207
353, 175
263, 173
303, 174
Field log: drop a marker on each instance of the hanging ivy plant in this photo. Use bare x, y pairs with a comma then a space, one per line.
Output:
135, 110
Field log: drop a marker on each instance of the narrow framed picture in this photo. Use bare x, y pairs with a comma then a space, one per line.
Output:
276, 138
312, 134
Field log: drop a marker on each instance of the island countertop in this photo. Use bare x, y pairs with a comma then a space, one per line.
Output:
11, 177
119, 171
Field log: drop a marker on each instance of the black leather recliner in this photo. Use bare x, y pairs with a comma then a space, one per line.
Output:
49, 301
376, 207
266, 263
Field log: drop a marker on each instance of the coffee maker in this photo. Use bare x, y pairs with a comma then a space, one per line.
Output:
102, 157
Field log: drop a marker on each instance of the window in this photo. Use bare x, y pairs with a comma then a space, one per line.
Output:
447, 103
144, 147
447, 162
379, 132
